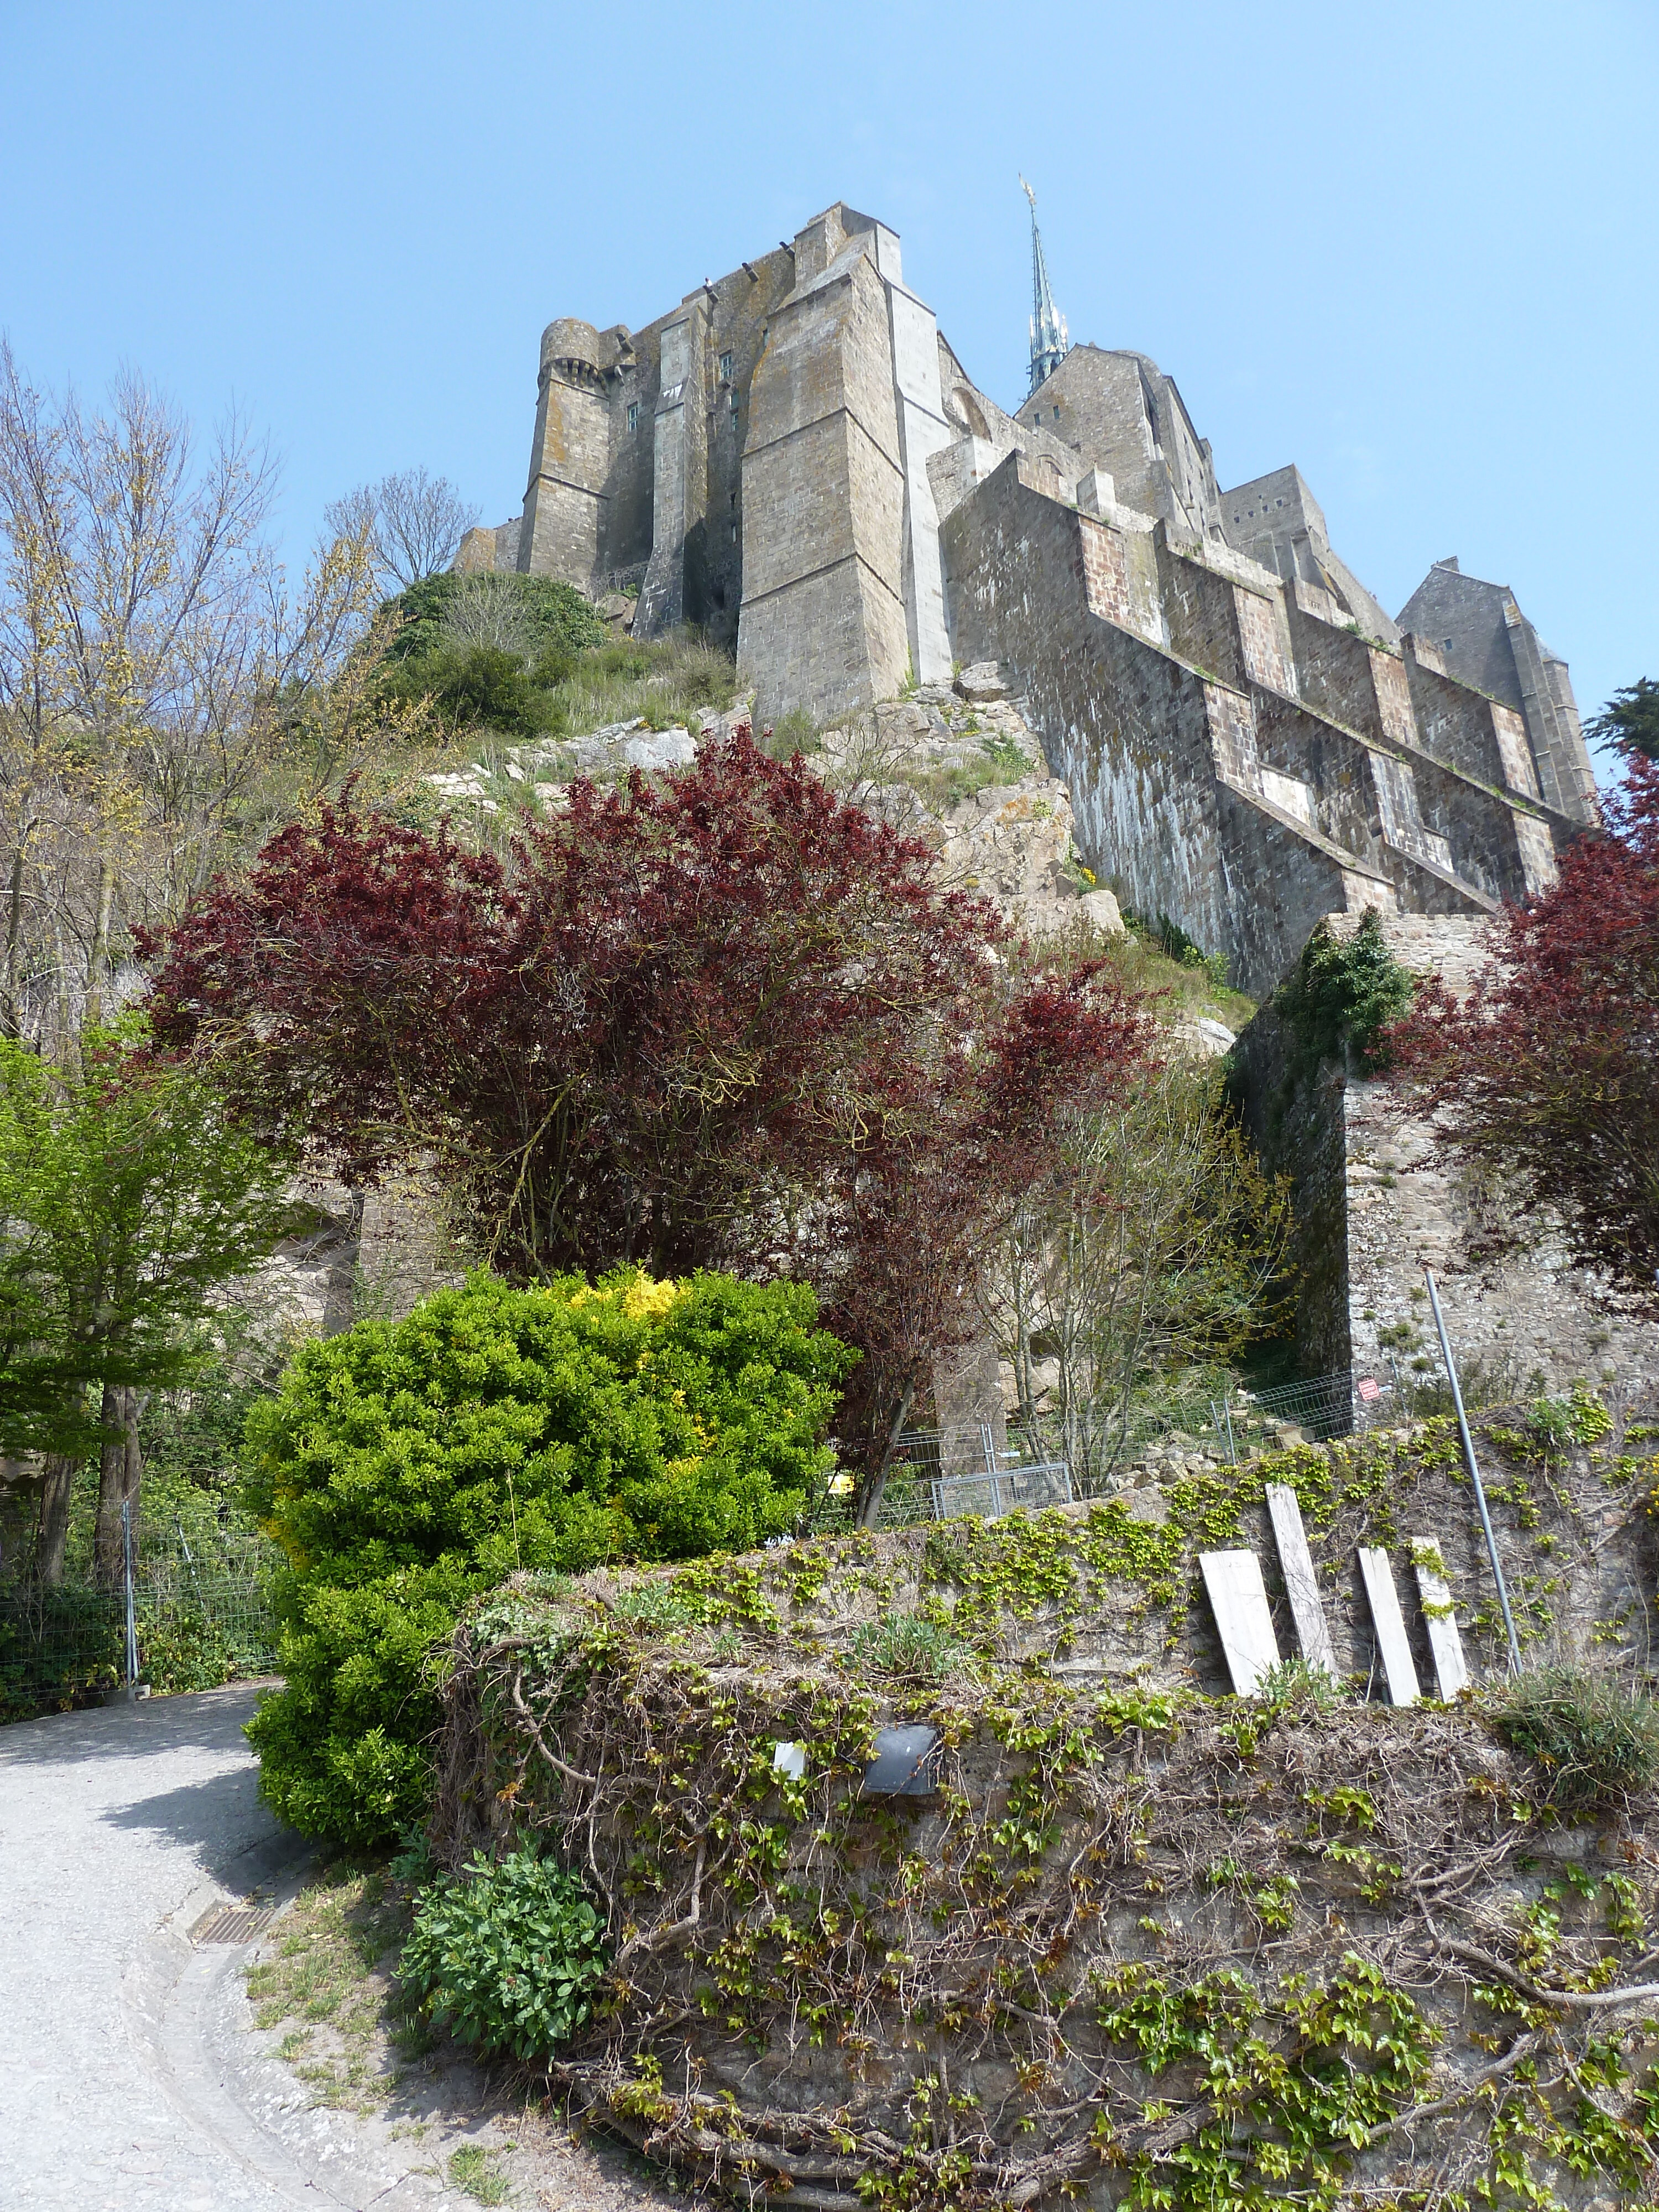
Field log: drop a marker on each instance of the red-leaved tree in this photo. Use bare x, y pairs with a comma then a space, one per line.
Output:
1545, 1078
723, 1020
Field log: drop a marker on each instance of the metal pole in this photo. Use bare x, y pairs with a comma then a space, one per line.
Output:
1227, 1416
132, 1625
1475, 1473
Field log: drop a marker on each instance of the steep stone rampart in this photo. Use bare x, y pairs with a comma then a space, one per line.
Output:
1162, 759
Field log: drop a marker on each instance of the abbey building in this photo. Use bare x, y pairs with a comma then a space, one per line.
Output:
794, 459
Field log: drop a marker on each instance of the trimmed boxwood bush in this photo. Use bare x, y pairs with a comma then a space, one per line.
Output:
406, 1467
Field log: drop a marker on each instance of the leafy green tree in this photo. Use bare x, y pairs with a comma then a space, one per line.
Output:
127, 1198
1155, 1247
404, 1468
1630, 719
1543, 1082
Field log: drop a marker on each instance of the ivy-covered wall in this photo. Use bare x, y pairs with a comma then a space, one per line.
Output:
1141, 1945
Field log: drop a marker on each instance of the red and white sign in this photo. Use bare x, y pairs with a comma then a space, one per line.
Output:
1369, 1388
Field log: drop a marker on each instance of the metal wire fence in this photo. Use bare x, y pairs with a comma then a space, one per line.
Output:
201, 1613
936, 1475
1248, 1422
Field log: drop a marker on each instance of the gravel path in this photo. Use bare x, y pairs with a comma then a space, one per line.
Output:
130, 2080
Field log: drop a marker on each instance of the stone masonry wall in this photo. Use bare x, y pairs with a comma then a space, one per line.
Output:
1460, 725
822, 623
679, 488
1162, 765
1124, 727
1123, 415
1482, 638
1375, 1205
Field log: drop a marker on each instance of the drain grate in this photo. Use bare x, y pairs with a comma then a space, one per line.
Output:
233, 1923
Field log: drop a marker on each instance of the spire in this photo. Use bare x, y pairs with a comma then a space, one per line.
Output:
1049, 342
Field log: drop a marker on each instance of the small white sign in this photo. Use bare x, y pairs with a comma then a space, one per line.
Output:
1301, 1583
1434, 1593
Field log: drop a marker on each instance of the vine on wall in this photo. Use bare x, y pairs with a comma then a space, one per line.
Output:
1139, 1946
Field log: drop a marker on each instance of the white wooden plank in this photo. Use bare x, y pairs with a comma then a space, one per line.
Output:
1392, 1642
1450, 1667
1301, 1583
1239, 1598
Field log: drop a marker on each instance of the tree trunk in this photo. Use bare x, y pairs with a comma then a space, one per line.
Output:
870, 1505
97, 961
18, 1485
52, 1532
14, 930
120, 1477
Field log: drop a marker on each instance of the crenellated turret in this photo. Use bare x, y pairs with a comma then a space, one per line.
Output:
564, 501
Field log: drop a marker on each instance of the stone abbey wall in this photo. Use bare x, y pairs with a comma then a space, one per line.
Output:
1236, 760
1375, 1205
795, 461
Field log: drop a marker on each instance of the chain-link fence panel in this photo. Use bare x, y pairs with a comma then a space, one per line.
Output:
202, 1611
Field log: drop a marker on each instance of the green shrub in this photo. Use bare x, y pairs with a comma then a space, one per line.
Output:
480, 685
559, 618
506, 1957
1596, 1741
556, 615
1341, 996
406, 1467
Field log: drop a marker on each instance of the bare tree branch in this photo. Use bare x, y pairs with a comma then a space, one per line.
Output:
415, 521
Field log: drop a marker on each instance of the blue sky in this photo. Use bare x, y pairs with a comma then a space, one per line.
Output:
1413, 250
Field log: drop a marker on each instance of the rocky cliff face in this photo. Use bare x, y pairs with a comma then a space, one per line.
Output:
961, 768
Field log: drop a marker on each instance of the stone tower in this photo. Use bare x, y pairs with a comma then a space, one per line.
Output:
843, 588
1484, 639
562, 533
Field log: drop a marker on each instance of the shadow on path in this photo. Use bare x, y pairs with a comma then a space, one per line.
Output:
196, 1814
207, 1720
